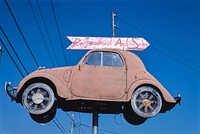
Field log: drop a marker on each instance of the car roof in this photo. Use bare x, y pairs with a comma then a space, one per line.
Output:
130, 58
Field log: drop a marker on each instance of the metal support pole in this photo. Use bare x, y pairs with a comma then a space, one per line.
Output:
113, 24
95, 123
72, 125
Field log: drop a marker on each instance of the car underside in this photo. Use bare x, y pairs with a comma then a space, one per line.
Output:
33, 105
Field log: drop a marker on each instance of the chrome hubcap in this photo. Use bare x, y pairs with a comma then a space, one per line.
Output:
37, 98
146, 102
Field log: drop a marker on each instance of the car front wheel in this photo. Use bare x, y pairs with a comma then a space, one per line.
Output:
38, 99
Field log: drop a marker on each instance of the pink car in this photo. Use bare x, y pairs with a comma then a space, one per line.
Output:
104, 81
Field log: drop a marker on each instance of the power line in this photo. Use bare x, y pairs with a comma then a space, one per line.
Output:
103, 130
62, 46
61, 126
41, 33
63, 131
58, 127
175, 59
68, 115
159, 51
45, 26
123, 31
24, 69
160, 43
0, 54
13, 50
12, 58
155, 49
21, 33
82, 124
107, 131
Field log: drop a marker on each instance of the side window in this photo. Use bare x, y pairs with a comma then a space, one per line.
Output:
104, 59
94, 59
112, 59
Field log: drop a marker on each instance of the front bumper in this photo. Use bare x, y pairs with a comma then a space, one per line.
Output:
178, 99
11, 91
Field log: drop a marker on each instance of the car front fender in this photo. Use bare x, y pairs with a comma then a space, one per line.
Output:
61, 86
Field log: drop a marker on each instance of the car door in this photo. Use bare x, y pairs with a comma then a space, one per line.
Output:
102, 75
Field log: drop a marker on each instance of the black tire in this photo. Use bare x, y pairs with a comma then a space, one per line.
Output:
44, 118
131, 117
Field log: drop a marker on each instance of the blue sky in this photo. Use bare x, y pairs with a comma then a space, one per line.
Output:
171, 27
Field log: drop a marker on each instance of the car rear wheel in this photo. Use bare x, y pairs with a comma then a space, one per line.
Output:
146, 102
38, 99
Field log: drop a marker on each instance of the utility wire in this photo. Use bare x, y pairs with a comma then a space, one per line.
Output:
26, 72
14, 50
81, 124
62, 45
0, 54
41, 33
63, 131
19, 58
69, 116
107, 131
61, 125
160, 43
58, 127
123, 31
45, 26
21, 33
12, 58
175, 59
103, 130
24, 69
161, 52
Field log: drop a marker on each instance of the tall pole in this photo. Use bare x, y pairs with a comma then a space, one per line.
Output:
113, 24
72, 125
95, 115
95, 123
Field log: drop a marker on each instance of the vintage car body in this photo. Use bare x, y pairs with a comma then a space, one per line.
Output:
118, 83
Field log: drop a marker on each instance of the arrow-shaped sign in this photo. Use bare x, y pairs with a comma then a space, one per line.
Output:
82, 43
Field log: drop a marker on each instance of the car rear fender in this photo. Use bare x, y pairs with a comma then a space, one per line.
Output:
164, 93
61, 86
